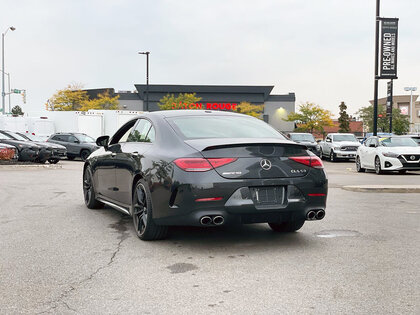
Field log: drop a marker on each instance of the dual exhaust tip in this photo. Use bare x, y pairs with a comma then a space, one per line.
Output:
315, 215
209, 220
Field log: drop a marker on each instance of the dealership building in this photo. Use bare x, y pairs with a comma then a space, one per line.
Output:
276, 107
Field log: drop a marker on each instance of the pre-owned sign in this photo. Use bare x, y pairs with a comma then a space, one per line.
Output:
388, 61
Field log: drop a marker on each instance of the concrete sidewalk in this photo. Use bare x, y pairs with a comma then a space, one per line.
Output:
384, 188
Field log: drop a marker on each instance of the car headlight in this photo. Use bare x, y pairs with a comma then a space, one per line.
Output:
336, 148
390, 154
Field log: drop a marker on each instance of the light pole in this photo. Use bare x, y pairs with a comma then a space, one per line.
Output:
147, 53
411, 89
8, 85
3, 94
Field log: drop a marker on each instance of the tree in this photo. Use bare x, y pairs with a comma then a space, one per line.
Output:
69, 98
102, 101
182, 101
343, 119
250, 109
17, 111
400, 122
311, 117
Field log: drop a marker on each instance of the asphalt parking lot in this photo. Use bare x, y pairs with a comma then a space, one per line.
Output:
57, 256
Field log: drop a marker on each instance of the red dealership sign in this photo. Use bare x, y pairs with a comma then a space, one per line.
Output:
214, 106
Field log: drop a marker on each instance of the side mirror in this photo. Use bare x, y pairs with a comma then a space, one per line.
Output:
328, 140
318, 141
102, 141
372, 145
76, 141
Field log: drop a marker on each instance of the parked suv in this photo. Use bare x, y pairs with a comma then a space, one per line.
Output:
339, 146
306, 139
77, 144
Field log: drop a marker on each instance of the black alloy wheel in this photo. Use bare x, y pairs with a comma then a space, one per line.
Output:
290, 226
143, 222
84, 154
333, 157
359, 167
89, 190
378, 168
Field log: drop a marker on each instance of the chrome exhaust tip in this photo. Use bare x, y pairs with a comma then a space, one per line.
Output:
206, 220
218, 220
311, 215
320, 214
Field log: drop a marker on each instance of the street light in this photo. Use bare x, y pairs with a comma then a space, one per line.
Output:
147, 53
8, 85
3, 94
411, 89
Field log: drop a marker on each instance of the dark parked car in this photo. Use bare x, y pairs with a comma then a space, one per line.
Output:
306, 139
27, 151
204, 168
77, 144
45, 150
58, 151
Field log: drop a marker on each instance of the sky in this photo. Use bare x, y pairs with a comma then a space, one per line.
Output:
321, 50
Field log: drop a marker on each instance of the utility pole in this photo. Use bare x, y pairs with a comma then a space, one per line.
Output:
375, 89
3, 93
147, 53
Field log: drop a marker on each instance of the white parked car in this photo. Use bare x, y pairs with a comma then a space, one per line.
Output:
388, 154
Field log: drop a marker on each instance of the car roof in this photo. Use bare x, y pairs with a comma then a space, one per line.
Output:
300, 133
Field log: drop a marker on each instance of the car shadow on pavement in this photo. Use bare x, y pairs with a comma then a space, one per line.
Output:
252, 237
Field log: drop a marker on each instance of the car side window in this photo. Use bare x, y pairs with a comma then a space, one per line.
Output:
71, 139
367, 142
140, 133
126, 135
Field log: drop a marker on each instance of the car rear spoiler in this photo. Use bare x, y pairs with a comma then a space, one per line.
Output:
215, 143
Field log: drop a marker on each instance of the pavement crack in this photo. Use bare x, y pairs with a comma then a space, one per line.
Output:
60, 299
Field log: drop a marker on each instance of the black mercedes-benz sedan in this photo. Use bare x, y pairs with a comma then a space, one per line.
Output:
204, 168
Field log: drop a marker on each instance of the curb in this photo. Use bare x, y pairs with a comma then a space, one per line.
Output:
26, 166
402, 189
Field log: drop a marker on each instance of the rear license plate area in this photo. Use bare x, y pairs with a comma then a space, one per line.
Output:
267, 196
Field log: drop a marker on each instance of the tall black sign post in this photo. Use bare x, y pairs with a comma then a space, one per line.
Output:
389, 103
388, 62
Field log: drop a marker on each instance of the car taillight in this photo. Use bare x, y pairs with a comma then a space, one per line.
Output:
312, 161
201, 164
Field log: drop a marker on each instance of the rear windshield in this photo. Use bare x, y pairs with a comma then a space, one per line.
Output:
302, 137
398, 142
199, 127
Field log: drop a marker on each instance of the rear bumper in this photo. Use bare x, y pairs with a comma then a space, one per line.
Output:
178, 206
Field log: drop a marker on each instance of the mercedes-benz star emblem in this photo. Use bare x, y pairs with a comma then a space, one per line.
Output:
265, 164
412, 158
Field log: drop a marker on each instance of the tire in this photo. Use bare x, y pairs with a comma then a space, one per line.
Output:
333, 157
89, 190
378, 168
84, 154
142, 213
359, 167
285, 227
53, 161
402, 171
70, 157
